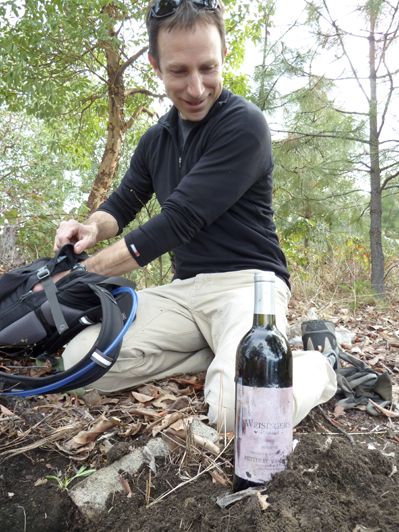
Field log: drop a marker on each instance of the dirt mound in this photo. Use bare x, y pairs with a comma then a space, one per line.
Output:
329, 485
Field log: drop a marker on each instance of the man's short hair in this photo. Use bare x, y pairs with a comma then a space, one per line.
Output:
186, 16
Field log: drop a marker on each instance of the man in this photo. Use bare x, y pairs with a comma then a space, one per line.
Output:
209, 162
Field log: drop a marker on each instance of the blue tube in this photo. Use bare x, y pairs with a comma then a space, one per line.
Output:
67, 380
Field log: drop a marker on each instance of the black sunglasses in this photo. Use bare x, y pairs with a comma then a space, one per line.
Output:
166, 8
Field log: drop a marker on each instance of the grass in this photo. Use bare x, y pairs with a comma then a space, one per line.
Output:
63, 481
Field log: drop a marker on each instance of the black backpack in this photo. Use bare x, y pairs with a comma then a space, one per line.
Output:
38, 324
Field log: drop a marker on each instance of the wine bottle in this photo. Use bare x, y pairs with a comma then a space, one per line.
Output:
264, 401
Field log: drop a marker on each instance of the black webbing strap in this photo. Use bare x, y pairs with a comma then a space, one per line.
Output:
51, 293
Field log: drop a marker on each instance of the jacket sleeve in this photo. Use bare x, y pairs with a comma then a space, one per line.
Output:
134, 191
238, 153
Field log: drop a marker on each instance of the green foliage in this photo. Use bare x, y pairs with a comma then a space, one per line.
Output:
314, 173
390, 218
63, 481
38, 179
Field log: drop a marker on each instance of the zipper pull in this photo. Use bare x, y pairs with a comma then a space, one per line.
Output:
179, 161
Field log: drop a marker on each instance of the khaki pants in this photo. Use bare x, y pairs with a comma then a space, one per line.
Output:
195, 325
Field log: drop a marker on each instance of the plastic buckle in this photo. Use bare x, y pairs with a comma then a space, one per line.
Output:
43, 273
80, 267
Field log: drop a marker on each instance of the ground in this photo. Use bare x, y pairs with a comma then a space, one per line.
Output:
343, 474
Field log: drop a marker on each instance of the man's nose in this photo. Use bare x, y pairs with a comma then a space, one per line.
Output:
195, 86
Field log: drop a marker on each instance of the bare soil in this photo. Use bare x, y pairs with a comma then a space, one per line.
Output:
342, 476
330, 484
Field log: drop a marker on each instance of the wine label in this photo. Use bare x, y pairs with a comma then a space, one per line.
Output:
263, 431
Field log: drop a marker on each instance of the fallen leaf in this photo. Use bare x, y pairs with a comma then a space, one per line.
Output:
166, 398
206, 444
131, 430
180, 403
385, 411
92, 398
339, 410
150, 389
373, 361
144, 412
125, 485
193, 381
262, 500
219, 478
87, 436
142, 397
40, 482
166, 422
4, 410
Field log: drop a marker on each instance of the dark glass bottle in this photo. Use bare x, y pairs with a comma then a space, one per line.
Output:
264, 402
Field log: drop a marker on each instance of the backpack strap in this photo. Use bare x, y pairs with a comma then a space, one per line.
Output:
94, 364
50, 289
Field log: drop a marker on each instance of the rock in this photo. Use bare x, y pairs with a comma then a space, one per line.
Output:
204, 431
91, 494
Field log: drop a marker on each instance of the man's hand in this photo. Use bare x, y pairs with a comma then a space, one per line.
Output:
83, 236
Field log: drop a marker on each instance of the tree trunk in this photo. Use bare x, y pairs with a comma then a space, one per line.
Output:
377, 255
116, 126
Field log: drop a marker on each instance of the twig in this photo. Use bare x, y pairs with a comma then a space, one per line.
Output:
23, 509
209, 468
58, 434
346, 434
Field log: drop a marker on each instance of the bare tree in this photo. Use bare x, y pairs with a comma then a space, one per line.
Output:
378, 91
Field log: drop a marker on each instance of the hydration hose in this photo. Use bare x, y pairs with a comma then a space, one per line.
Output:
91, 365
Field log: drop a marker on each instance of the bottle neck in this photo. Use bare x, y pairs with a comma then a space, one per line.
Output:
265, 306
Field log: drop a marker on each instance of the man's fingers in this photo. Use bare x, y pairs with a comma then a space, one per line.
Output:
67, 233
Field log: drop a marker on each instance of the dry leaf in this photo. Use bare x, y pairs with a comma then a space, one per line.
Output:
160, 402
142, 397
144, 412
262, 499
150, 389
193, 381
87, 436
6, 412
131, 430
92, 398
180, 403
166, 422
125, 485
219, 478
339, 410
373, 361
40, 482
385, 411
206, 444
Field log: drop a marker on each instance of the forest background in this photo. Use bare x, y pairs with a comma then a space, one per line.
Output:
76, 94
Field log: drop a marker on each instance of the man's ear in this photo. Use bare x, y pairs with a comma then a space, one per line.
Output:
154, 64
225, 52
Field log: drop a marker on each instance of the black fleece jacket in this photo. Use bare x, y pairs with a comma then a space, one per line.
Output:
215, 196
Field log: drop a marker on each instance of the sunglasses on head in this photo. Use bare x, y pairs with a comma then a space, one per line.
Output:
166, 8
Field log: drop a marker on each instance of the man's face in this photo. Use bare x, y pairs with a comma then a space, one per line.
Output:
190, 66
